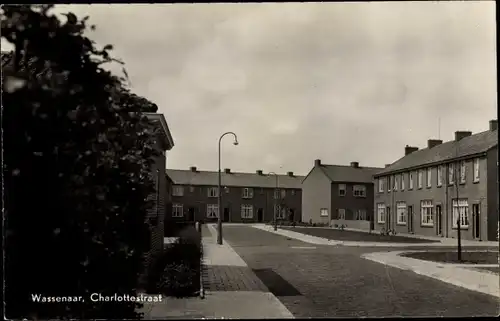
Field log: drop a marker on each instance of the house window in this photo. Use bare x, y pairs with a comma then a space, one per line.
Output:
451, 174
462, 172
395, 183
401, 213
276, 194
177, 210
389, 183
246, 211
279, 212
247, 192
341, 189
178, 191
341, 214
293, 192
360, 215
212, 210
461, 207
410, 180
426, 210
380, 213
381, 185
420, 178
323, 212
476, 170
359, 191
402, 182
283, 193
429, 177
213, 192
282, 213
191, 189
440, 175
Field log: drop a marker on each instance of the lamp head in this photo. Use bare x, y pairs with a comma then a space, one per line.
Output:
235, 143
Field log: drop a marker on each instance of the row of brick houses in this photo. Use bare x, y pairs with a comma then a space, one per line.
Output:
246, 197
423, 193
427, 191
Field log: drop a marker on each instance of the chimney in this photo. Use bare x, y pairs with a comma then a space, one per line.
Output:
410, 149
355, 164
387, 165
493, 124
290, 174
433, 142
193, 168
317, 162
461, 134
259, 172
227, 170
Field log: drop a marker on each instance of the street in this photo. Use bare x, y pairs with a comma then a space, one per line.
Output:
334, 281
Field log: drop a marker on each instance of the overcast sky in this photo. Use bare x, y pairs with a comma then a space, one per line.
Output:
340, 82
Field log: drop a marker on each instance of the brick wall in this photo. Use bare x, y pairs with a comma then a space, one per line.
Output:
196, 198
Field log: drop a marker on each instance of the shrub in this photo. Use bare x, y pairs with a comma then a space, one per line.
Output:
177, 272
77, 164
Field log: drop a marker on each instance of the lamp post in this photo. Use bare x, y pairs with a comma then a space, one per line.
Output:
219, 219
276, 195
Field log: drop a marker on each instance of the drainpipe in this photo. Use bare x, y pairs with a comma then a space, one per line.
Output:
447, 206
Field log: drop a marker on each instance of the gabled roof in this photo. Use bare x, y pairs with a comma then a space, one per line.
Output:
349, 174
472, 145
169, 141
208, 178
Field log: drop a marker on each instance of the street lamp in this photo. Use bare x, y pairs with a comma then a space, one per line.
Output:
219, 218
276, 195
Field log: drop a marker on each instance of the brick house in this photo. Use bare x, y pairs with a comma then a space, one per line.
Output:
337, 194
246, 197
156, 215
426, 191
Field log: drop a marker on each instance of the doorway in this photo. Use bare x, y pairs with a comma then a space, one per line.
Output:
476, 215
439, 220
190, 214
410, 219
388, 218
226, 214
292, 215
260, 215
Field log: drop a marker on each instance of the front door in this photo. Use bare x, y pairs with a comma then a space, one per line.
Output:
190, 214
226, 214
410, 219
439, 216
260, 215
292, 214
477, 221
388, 218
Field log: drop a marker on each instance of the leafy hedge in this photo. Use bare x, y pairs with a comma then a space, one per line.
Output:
177, 271
77, 170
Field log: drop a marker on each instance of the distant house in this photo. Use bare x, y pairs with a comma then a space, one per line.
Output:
337, 194
246, 197
156, 215
427, 191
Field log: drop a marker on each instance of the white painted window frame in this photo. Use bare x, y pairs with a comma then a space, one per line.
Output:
401, 213
177, 210
461, 207
426, 213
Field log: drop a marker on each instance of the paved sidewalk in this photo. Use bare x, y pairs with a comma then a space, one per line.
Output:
232, 290
298, 236
443, 242
464, 277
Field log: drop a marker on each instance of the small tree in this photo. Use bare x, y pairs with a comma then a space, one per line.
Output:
77, 164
